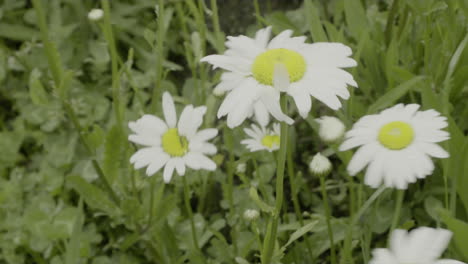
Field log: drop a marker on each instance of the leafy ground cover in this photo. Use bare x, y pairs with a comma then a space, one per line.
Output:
70, 85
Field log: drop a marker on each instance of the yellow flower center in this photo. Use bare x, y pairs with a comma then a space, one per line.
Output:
271, 140
174, 144
264, 65
396, 135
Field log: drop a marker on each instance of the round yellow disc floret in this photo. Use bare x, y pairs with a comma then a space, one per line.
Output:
264, 65
271, 140
396, 135
174, 144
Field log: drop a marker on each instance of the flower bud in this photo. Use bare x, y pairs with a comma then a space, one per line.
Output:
240, 168
95, 14
320, 165
251, 214
331, 128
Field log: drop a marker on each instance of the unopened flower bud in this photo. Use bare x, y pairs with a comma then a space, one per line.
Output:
240, 168
95, 14
251, 214
320, 165
218, 92
331, 128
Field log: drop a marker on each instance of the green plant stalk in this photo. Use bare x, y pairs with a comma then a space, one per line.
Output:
347, 254
328, 219
190, 213
400, 194
230, 172
258, 16
217, 28
57, 74
270, 239
297, 209
159, 57
390, 18
109, 35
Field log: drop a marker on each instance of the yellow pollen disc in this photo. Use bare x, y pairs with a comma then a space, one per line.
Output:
174, 144
396, 135
263, 66
270, 140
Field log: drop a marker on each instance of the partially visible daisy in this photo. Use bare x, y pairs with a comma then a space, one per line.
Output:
423, 245
396, 145
258, 69
262, 138
172, 144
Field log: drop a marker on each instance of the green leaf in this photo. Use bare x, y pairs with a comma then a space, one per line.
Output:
112, 154
37, 92
93, 196
394, 94
460, 231
315, 24
263, 206
299, 233
17, 32
355, 17
72, 254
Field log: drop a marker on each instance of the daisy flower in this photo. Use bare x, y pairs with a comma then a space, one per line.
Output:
258, 69
423, 245
172, 144
396, 145
262, 138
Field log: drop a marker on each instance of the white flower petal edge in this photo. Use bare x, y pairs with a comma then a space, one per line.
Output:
171, 144
413, 247
313, 70
409, 159
262, 138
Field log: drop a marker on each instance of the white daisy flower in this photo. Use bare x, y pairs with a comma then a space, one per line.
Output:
172, 144
423, 245
262, 138
331, 128
397, 145
258, 69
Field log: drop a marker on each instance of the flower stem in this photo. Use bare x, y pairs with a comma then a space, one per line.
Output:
354, 220
190, 213
270, 238
159, 56
328, 218
400, 194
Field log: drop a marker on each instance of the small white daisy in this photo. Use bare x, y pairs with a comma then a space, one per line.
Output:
397, 145
95, 14
258, 69
423, 245
173, 144
262, 138
331, 128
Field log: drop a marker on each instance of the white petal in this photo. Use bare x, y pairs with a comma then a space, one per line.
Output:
270, 98
157, 163
261, 113
280, 77
432, 149
277, 41
375, 170
198, 161
449, 261
145, 140
149, 125
180, 166
145, 156
247, 90
325, 96
362, 157
169, 110
243, 46
355, 142
230, 63
302, 99
262, 36
205, 134
193, 119
169, 170
330, 54
382, 256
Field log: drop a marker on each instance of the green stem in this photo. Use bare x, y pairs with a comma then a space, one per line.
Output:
391, 17
400, 194
190, 213
328, 219
354, 220
294, 191
230, 171
217, 28
159, 56
258, 16
270, 239
109, 35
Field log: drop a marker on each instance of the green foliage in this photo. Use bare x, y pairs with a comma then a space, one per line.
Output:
68, 194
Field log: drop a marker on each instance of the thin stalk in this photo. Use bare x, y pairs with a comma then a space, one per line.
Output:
391, 17
190, 213
270, 239
328, 218
400, 194
294, 191
230, 171
109, 35
348, 259
217, 28
258, 16
159, 56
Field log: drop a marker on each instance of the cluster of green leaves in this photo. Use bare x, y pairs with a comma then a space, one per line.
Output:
69, 85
